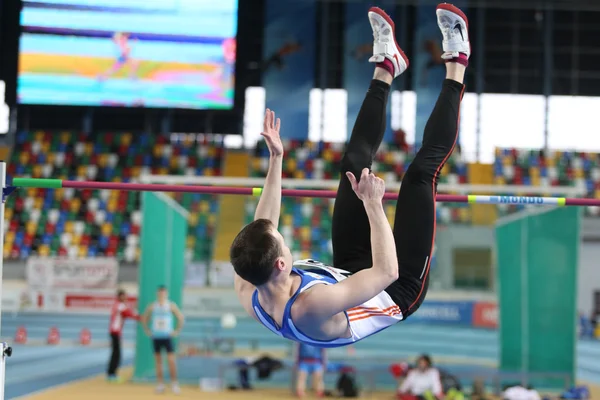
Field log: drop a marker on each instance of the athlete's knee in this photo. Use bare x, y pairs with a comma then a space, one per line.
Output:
355, 160
421, 169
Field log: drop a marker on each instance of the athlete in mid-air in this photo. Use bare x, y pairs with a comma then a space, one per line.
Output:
379, 275
122, 41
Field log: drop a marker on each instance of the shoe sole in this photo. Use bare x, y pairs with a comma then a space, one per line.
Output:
387, 18
452, 8
455, 10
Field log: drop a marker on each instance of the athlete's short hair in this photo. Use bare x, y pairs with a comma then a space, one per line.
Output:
254, 251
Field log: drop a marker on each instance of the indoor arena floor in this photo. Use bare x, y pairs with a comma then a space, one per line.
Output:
71, 372
98, 389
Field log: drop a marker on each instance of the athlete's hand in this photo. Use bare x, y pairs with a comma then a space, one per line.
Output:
271, 133
370, 187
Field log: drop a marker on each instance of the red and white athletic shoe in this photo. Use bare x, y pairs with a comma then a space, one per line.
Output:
455, 28
384, 41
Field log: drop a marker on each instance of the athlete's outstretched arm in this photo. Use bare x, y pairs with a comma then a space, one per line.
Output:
328, 300
269, 205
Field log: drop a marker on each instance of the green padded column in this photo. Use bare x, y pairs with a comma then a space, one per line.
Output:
164, 229
538, 256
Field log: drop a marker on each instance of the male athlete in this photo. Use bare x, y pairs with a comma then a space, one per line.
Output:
162, 331
380, 275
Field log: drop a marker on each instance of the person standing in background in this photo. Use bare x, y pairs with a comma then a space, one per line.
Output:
311, 361
160, 315
120, 311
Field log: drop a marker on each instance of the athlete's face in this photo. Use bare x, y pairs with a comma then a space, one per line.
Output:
161, 295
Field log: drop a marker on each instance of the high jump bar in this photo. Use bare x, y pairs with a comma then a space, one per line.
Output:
256, 191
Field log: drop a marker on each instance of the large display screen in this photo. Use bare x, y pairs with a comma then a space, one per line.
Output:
129, 53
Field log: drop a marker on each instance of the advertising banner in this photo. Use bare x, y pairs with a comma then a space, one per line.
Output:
444, 312
63, 273
485, 315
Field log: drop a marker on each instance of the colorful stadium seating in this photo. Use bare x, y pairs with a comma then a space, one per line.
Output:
306, 223
90, 223
555, 168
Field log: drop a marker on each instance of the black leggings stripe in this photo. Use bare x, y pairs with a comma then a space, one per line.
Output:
414, 223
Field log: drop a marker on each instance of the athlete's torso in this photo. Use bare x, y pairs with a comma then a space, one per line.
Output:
162, 320
370, 317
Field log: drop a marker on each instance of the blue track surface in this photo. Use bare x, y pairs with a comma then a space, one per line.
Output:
33, 368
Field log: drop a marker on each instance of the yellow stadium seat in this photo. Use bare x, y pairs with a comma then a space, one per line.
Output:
82, 170
31, 192
328, 155
106, 228
579, 173
8, 213
43, 251
69, 226
157, 150
174, 162
75, 205
38, 203
507, 161
163, 171
500, 180
7, 248
305, 254
534, 171
136, 171
83, 251
45, 148
75, 240
102, 160
535, 180
204, 207
389, 158
65, 137
38, 136
111, 206
305, 233
59, 194
209, 172
51, 158
212, 152
89, 149
299, 174
31, 229
193, 219
287, 219
292, 165
126, 139
24, 158
255, 163
36, 171
212, 220
190, 241
10, 236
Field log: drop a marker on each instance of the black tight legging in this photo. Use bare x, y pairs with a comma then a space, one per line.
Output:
414, 225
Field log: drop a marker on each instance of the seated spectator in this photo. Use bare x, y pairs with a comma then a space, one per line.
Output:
422, 382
